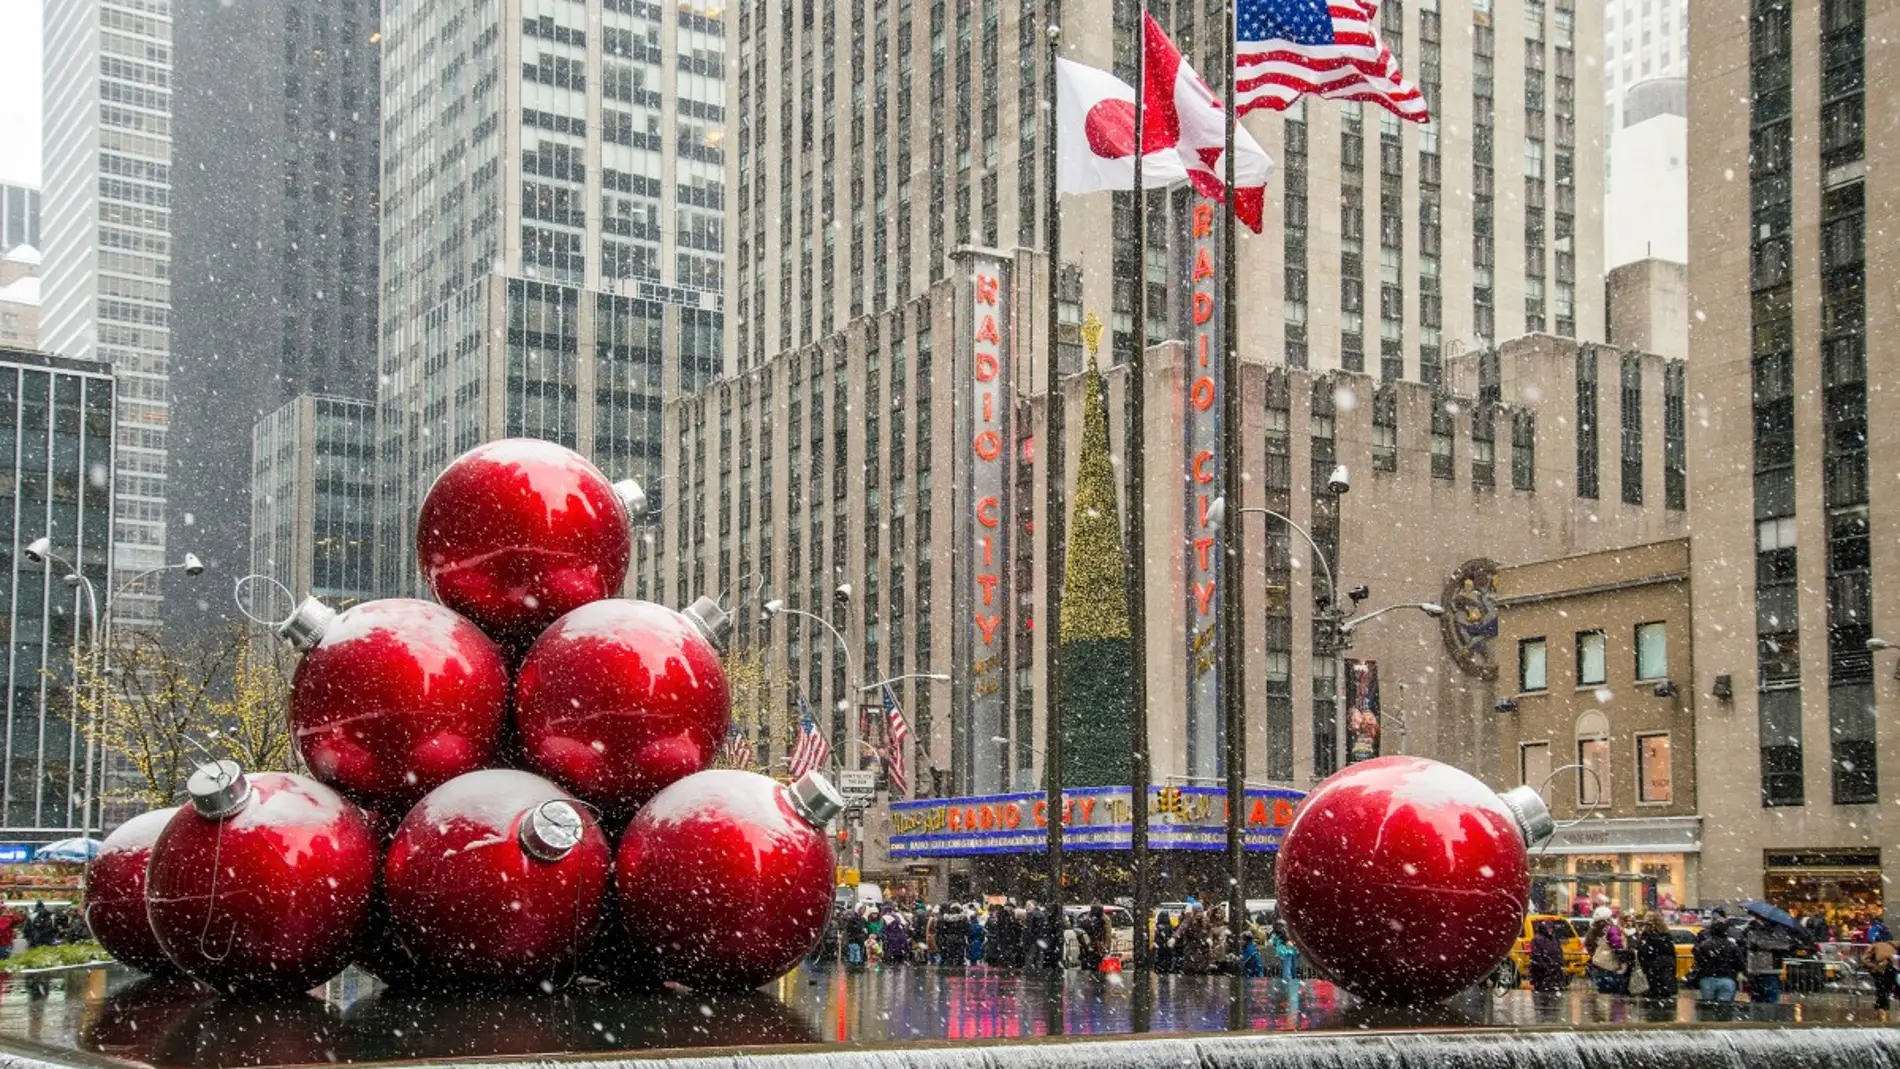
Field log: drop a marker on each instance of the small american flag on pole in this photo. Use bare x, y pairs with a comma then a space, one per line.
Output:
813, 748
736, 752
896, 740
1287, 48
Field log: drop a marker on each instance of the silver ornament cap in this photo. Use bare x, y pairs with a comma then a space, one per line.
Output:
815, 799
306, 626
551, 830
712, 621
1532, 815
633, 497
218, 789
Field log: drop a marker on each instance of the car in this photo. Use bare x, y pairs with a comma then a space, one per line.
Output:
1517, 967
1121, 926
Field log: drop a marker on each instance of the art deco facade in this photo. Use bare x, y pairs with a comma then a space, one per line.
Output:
1796, 510
553, 204
106, 227
876, 138
56, 444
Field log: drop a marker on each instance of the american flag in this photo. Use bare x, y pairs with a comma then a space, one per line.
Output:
896, 738
813, 748
737, 750
1286, 48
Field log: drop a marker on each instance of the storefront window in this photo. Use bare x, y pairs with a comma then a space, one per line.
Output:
1652, 769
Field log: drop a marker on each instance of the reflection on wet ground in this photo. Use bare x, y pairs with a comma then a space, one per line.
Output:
117, 1015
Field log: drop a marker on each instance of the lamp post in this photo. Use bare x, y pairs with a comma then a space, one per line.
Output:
99, 620
934, 677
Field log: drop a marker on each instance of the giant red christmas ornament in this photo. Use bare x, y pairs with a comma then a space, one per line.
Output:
495, 879
620, 698
115, 894
725, 878
1406, 880
516, 534
262, 882
394, 698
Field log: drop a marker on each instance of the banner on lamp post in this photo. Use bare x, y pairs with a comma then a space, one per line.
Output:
1362, 710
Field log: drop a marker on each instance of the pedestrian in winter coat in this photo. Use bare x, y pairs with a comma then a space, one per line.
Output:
1000, 944
896, 940
1656, 957
1196, 945
1719, 963
855, 932
1547, 958
41, 929
1289, 954
979, 934
953, 938
1071, 945
1164, 942
1882, 962
1250, 962
1095, 945
1035, 937
1765, 946
1607, 952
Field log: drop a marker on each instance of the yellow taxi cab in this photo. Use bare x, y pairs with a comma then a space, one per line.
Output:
1684, 935
1517, 967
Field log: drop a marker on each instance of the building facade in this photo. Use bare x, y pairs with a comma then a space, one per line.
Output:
839, 480
56, 445
877, 138
106, 228
274, 280
1794, 520
20, 297
19, 216
313, 498
554, 184
1596, 706
1646, 210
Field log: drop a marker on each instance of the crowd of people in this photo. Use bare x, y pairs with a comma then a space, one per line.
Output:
1009, 934
41, 927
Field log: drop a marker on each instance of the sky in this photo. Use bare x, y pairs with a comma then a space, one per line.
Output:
20, 91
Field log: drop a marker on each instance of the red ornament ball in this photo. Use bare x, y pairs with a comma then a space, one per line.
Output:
496, 879
115, 894
516, 534
261, 883
725, 878
395, 698
619, 699
1404, 879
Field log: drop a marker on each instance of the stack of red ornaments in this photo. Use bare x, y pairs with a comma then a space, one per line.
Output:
500, 783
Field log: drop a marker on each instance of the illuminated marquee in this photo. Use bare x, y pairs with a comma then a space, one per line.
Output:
1093, 818
1202, 379
984, 593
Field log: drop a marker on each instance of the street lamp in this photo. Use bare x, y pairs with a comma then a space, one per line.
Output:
777, 607
934, 677
99, 620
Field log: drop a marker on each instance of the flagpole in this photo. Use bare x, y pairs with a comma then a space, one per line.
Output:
1055, 510
1233, 617
1134, 471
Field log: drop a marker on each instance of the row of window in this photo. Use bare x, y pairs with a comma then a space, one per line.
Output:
1651, 662
1595, 780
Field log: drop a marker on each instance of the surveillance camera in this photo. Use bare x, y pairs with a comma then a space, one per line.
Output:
1359, 593
1341, 480
194, 566
37, 549
843, 592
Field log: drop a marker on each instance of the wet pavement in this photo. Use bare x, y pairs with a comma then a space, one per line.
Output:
85, 1015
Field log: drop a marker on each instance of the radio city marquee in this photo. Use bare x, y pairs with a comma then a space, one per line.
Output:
1093, 818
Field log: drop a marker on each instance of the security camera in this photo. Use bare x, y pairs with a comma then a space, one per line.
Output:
1341, 480
37, 549
843, 593
194, 566
1359, 593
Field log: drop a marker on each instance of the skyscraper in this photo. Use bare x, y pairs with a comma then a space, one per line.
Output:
1642, 39
56, 442
1793, 526
275, 258
106, 228
554, 187
313, 498
876, 138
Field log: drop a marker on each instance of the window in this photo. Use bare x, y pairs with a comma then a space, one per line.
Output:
1589, 658
1385, 430
1531, 666
1533, 762
1652, 769
1780, 728
1652, 651
1593, 778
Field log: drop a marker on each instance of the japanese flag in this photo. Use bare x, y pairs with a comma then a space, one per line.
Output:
1096, 113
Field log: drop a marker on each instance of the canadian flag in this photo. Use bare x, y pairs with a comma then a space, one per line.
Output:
1184, 137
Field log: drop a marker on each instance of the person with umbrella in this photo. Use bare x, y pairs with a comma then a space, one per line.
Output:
1770, 939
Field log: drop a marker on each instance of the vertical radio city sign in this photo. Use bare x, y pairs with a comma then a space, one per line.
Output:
1202, 381
986, 445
